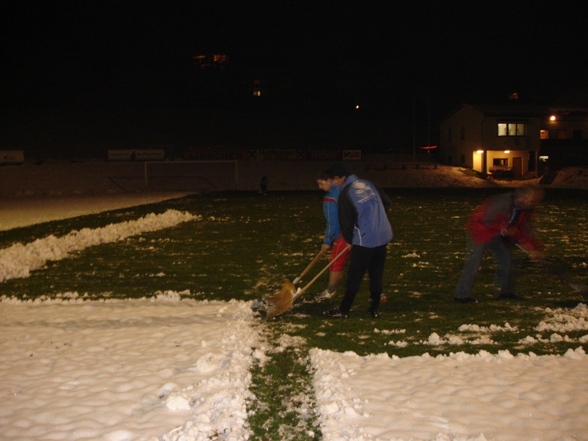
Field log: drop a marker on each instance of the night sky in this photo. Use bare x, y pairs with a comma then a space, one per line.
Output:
108, 58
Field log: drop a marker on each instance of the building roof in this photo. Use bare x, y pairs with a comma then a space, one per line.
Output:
515, 109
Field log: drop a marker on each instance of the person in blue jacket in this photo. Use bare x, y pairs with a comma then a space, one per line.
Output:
332, 239
364, 224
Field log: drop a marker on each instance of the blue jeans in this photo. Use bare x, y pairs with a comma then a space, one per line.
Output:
504, 276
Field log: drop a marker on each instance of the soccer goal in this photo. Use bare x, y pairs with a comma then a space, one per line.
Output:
201, 176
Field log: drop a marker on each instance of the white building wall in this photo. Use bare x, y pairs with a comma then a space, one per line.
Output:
480, 133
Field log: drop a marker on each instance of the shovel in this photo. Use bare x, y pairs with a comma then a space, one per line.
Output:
284, 300
309, 266
578, 289
288, 287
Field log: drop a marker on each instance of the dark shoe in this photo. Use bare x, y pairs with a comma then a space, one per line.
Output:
465, 300
510, 295
336, 313
374, 313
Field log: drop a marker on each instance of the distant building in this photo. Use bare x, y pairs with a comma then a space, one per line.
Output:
512, 140
221, 78
212, 61
564, 137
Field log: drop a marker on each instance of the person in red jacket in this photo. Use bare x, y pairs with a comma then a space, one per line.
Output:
496, 225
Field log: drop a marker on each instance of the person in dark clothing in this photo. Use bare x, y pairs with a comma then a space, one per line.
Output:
496, 225
364, 224
263, 185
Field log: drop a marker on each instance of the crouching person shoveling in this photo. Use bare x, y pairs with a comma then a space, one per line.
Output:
496, 225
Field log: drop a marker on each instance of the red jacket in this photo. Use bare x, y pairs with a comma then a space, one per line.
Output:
495, 214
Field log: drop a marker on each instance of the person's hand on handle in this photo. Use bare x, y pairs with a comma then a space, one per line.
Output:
508, 231
537, 255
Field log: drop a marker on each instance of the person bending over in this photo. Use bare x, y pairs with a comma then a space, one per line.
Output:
497, 225
365, 225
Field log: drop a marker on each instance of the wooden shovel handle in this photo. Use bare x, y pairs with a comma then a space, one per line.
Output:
310, 265
299, 293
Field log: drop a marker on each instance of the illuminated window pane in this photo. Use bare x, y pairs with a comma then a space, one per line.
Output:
521, 129
502, 129
512, 130
544, 134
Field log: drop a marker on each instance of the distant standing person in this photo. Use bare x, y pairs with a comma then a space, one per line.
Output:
263, 185
332, 239
496, 225
364, 224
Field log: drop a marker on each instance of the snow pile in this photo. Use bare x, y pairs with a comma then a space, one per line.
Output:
125, 370
457, 397
571, 177
565, 320
559, 322
18, 260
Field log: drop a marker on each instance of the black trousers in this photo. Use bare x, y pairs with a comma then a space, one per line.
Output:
361, 260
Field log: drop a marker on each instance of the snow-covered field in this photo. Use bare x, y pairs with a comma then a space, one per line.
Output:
166, 369
162, 368
125, 370
24, 211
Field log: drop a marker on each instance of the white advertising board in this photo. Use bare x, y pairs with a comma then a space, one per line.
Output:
352, 155
136, 155
11, 156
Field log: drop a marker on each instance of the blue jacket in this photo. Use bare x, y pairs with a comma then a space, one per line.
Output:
330, 210
362, 213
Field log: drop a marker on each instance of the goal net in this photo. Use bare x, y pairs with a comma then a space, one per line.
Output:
201, 176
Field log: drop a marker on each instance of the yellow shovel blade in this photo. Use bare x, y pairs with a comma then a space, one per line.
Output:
282, 301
